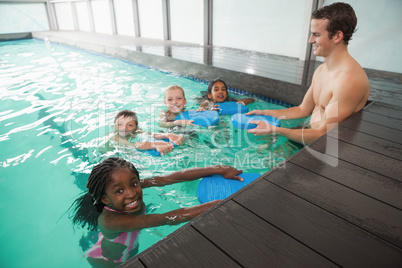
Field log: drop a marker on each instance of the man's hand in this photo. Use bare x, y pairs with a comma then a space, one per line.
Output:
263, 128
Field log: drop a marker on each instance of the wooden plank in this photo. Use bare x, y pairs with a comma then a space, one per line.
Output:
185, 248
386, 111
379, 119
370, 160
253, 242
132, 263
387, 97
373, 129
368, 142
387, 105
390, 83
372, 184
329, 235
367, 213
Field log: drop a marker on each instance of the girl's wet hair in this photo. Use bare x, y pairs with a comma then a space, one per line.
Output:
89, 206
126, 113
174, 87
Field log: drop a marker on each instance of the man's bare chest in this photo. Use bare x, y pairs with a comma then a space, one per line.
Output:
323, 92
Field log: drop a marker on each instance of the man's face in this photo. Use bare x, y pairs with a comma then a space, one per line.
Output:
319, 38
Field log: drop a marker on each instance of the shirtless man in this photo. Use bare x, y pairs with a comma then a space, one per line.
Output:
340, 86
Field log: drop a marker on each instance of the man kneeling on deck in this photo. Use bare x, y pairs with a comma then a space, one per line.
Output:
340, 86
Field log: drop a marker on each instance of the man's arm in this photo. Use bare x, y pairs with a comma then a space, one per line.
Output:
349, 95
303, 110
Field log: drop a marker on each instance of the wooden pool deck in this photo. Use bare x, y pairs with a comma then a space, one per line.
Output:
335, 203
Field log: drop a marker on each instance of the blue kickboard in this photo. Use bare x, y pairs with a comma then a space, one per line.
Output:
231, 107
202, 118
243, 121
217, 187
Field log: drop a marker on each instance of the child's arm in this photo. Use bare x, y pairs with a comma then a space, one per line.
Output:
184, 122
246, 101
122, 141
192, 174
160, 146
111, 223
176, 123
207, 104
175, 138
166, 124
203, 105
163, 121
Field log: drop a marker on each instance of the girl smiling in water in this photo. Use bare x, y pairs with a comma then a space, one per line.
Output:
218, 93
114, 205
175, 102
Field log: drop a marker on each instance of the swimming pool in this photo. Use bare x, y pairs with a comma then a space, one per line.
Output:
57, 107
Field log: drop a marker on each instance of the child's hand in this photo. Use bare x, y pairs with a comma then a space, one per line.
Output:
215, 108
164, 147
176, 139
200, 109
184, 122
246, 101
229, 172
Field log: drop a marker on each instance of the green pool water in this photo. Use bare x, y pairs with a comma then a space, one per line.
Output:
57, 107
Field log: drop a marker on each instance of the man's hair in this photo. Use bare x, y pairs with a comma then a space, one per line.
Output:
341, 17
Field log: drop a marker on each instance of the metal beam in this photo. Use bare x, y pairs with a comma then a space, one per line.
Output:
112, 17
90, 16
51, 16
166, 19
206, 22
75, 17
136, 17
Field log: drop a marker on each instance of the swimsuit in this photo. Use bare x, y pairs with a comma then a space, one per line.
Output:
127, 240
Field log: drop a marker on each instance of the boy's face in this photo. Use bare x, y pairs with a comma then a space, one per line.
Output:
124, 192
125, 126
175, 100
219, 92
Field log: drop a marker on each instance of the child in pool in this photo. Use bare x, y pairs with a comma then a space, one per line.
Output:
217, 93
175, 102
126, 124
114, 205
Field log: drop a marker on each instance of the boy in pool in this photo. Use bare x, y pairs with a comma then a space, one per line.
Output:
175, 102
218, 93
114, 205
126, 128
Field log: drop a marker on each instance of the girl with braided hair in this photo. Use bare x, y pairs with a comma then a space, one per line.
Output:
114, 205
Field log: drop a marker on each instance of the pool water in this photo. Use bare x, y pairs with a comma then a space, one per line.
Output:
57, 107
